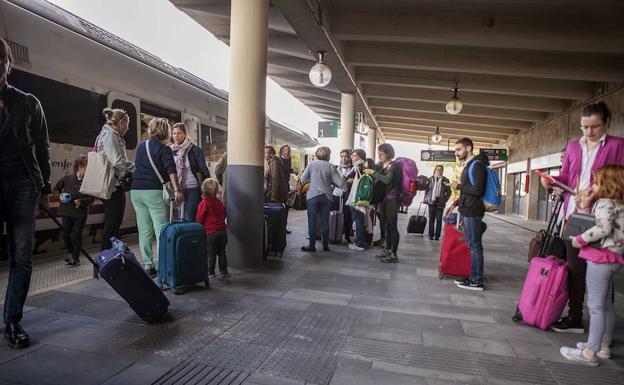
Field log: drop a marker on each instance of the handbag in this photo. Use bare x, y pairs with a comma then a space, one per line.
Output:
168, 192
99, 178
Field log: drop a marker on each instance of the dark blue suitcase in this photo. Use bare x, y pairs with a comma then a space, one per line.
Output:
276, 217
182, 258
126, 275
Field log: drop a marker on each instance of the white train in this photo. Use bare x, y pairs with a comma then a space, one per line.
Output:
76, 69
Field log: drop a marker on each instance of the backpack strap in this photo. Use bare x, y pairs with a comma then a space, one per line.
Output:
470, 171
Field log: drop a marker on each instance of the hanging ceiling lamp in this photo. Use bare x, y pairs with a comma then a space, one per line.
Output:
320, 74
454, 106
437, 137
362, 126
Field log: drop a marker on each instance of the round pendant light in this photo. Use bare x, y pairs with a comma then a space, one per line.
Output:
454, 106
437, 137
320, 74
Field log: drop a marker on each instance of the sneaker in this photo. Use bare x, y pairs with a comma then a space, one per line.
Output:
212, 275
568, 325
308, 248
604, 353
383, 255
575, 354
73, 263
392, 258
288, 232
461, 281
353, 246
225, 275
471, 285
325, 248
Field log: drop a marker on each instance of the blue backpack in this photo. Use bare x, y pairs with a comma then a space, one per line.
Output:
492, 196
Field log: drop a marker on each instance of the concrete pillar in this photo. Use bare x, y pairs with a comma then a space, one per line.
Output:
246, 130
347, 120
371, 143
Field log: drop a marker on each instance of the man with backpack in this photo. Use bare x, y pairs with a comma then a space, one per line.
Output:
472, 187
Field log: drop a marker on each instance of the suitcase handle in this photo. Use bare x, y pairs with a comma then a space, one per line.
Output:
172, 205
96, 269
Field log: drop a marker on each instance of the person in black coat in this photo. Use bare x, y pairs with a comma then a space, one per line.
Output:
436, 197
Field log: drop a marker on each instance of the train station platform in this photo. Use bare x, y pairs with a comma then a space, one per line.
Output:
336, 318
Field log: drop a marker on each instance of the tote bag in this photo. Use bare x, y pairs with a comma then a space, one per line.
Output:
99, 178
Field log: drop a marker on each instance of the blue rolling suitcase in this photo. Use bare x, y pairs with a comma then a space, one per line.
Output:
124, 273
182, 258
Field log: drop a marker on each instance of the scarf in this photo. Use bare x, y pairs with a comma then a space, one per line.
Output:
181, 154
437, 187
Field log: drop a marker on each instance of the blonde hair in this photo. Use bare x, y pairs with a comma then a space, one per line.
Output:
610, 181
210, 187
159, 129
114, 116
323, 153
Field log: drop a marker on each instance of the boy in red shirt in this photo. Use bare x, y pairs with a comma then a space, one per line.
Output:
211, 214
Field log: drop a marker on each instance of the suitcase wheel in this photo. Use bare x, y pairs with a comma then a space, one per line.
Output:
207, 283
441, 276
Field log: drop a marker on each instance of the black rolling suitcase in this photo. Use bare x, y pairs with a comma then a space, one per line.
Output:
126, 275
276, 217
417, 223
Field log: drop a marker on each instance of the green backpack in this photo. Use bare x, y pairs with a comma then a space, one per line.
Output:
364, 191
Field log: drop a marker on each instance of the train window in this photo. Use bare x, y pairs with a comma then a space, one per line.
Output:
131, 135
213, 142
75, 118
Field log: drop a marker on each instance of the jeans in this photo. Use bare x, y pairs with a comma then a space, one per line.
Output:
320, 204
360, 226
600, 304
73, 234
215, 247
435, 221
576, 281
390, 214
474, 227
152, 212
192, 197
18, 206
113, 216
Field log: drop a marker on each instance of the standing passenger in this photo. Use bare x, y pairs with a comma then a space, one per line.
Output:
347, 171
436, 198
24, 180
286, 161
110, 141
152, 210
358, 215
276, 187
211, 214
191, 168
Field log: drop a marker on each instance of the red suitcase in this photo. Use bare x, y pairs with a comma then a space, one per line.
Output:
454, 253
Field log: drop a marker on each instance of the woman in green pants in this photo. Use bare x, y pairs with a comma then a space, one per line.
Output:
154, 166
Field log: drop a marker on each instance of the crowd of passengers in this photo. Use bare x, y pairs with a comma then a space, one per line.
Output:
592, 165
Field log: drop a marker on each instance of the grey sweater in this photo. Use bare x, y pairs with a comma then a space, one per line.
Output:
114, 146
322, 176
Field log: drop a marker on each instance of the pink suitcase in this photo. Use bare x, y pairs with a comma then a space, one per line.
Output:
545, 292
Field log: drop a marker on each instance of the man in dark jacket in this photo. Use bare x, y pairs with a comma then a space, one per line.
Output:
24, 179
471, 208
436, 197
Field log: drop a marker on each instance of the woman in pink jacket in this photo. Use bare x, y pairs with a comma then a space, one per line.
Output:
583, 157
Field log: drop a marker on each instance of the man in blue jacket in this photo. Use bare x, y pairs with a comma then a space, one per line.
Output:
24, 179
471, 208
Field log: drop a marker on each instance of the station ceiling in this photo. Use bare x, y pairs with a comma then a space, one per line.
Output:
517, 63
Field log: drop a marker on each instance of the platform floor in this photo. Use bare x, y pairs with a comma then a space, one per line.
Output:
336, 317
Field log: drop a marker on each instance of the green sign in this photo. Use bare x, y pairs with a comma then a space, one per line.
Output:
328, 129
495, 153
437, 156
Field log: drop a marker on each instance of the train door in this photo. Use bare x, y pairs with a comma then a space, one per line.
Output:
132, 106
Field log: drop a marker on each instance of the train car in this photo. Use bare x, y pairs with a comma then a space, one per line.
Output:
76, 69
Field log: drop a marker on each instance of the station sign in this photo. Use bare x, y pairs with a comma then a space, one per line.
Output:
495, 153
328, 129
437, 156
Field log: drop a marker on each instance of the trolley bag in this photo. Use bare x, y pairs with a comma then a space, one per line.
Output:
182, 258
455, 257
336, 225
548, 242
545, 292
126, 276
276, 215
417, 223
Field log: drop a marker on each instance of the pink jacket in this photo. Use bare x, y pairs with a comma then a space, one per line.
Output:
612, 152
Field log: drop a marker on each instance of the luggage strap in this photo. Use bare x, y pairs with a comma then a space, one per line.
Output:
96, 269
552, 225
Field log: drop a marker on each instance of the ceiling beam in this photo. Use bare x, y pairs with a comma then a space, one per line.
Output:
448, 132
425, 140
314, 92
496, 61
383, 114
300, 79
505, 85
513, 29
289, 63
406, 123
436, 108
313, 100
467, 98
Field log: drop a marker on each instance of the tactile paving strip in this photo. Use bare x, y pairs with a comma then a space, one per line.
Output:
391, 352
326, 323
267, 326
318, 333
233, 355
571, 374
312, 368
224, 309
188, 373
